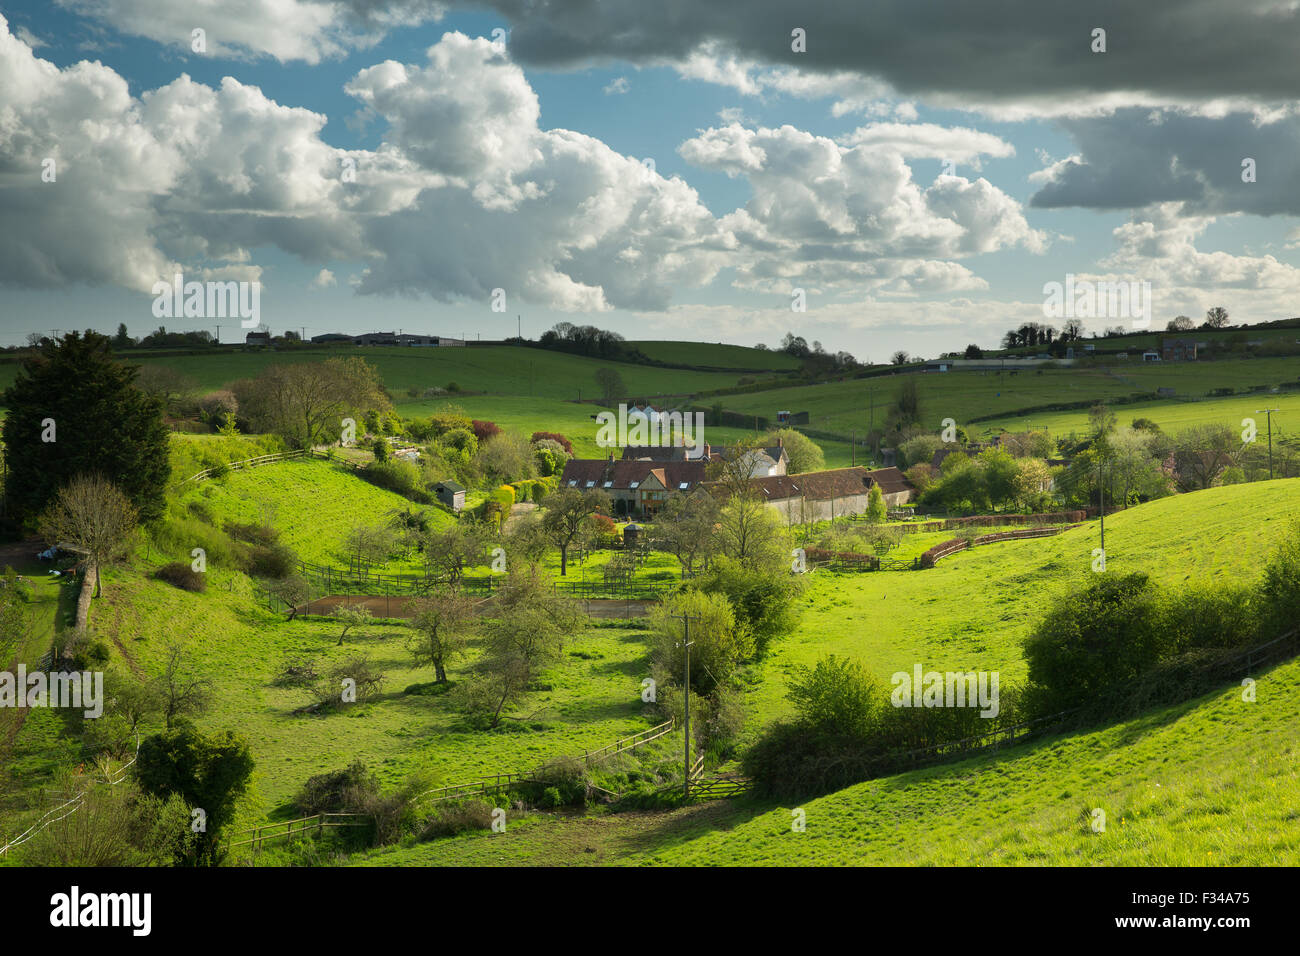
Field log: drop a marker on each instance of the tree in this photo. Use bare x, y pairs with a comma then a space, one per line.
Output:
684, 527
876, 510
1216, 318
123, 338
610, 383
90, 515
449, 553
73, 410
369, 544
566, 512
899, 358
805, 454
305, 402
1201, 453
352, 617
442, 622
974, 352
293, 590
1180, 323
748, 530
505, 457
1072, 330
719, 646
208, 771
180, 692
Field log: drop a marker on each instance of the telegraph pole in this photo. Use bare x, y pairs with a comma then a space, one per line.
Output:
1269, 412
687, 643
1101, 506
218, 335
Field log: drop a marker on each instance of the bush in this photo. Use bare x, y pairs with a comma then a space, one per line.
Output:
183, 576
277, 561
259, 534
838, 696
337, 791
449, 819
555, 437
485, 430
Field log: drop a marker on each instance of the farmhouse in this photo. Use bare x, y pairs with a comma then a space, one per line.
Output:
819, 495
636, 486
257, 338
766, 462
1178, 350
668, 452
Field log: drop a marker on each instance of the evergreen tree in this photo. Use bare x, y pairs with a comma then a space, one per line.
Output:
73, 410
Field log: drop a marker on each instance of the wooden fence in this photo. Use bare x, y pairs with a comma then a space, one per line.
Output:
286, 828
493, 783
207, 473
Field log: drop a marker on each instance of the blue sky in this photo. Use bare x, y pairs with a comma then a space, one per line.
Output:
773, 171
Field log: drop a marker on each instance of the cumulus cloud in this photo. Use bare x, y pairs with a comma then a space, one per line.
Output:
287, 30
828, 213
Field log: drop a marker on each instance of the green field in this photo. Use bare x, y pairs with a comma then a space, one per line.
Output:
717, 355
1210, 782
845, 406
973, 609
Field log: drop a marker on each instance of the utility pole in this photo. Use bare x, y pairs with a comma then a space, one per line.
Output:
519, 326
218, 335
853, 447
687, 643
1269, 412
1101, 507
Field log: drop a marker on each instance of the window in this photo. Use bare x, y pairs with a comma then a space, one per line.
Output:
609, 484
633, 485
573, 482
591, 484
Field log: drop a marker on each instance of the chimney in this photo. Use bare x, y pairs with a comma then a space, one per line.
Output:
611, 456
780, 441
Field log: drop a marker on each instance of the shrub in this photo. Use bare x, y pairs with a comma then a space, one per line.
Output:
837, 696
336, 791
183, 576
259, 534
1103, 634
484, 430
402, 477
277, 561
555, 437
449, 819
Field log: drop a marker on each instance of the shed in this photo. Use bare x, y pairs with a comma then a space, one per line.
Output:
450, 494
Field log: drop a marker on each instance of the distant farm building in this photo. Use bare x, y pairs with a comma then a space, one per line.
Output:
1178, 350
450, 494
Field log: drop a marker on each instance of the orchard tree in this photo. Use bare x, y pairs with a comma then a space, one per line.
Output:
442, 622
73, 410
566, 515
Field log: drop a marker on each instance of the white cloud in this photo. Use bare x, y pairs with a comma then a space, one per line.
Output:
616, 86
324, 280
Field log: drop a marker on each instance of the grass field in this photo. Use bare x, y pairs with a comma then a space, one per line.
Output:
1210, 782
313, 503
718, 356
963, 396
973, 609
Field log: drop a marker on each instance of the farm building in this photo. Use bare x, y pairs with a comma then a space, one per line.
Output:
636, 486
1178, 350
820, 495
450, 494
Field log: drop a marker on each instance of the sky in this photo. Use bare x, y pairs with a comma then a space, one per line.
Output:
872, 176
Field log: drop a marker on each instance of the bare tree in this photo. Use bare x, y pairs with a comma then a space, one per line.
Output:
1217, 317
90, 515
180, 692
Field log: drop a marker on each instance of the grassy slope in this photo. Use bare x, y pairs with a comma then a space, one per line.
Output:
313, 503
974, 609
1208, 782
591, 700
504, 369
841, 406
719, 355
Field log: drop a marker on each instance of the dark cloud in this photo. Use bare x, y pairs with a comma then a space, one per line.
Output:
1138, 157
989, 51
